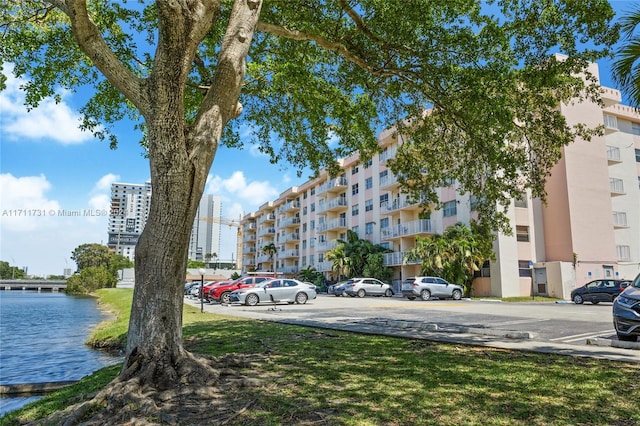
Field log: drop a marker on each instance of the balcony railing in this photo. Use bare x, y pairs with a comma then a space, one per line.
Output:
613, 154
265, 231
324, 266
616, 185
333, 184
291, 205
398, 203
390, 153
332, 224
290, 221
289, 254
396, 258
326, 245
421, 226
620, 220
292, 236
332, 204
270, 217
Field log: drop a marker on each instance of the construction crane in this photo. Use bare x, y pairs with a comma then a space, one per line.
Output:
231, 223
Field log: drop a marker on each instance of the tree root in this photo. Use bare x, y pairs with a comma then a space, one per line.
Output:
203, 391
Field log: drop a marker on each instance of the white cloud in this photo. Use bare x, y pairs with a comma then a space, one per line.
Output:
247, 194
24, 204
104, 183
57, 122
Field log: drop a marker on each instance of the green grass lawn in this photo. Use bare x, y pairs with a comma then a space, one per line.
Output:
329, 377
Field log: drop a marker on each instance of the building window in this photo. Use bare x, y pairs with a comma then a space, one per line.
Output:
449, 208
313, 207
356, 230
522, 233
354, 189
304, 261
473, 203
304, 244
304, 196
384, 174
521, 201
623, 252
635, 129
304, 210
304, 227
384, 223
313, 191
354, 170
637, 155
523, 268
384, 199
312, 224
368, 183
368, 164
355, 209
368, 205
484, 272
368, 228
610, 121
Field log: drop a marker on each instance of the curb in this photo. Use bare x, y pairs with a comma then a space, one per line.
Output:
614, 343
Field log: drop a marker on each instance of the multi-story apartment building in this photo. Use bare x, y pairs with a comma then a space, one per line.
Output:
128, 216
130, 204
589, 227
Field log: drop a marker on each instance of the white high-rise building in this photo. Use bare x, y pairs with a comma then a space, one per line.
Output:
205, 234
129, 211
130, 203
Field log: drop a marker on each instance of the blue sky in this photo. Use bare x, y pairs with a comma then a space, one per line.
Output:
48, 166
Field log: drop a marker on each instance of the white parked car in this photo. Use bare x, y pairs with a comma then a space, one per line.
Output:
275, 291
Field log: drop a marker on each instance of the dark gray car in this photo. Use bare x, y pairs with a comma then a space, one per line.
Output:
626, 312
428, 287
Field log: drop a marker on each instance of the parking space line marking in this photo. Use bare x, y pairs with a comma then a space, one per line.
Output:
576, 337
523, 321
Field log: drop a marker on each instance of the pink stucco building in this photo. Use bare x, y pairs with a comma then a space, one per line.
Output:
589, 227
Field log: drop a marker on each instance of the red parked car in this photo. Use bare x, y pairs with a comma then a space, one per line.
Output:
210, 286
222, 293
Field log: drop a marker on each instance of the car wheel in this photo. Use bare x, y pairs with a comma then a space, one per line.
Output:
361, 293
457, 295
595, 302
225, 298
388, 293
411, 298
425, 295
251, 299
625, 338
578, 300
301, 298
337, 295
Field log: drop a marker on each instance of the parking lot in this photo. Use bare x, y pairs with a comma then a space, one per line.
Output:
552, 324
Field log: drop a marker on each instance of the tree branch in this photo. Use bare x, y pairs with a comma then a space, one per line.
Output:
93, 45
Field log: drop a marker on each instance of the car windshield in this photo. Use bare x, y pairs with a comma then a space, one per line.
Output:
636, 282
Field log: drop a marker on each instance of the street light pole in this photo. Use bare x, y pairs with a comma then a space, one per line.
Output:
202, 272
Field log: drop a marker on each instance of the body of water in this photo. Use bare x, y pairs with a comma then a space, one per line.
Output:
42, 339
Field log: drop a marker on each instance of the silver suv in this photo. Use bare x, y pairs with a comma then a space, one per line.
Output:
428, 287
362, 287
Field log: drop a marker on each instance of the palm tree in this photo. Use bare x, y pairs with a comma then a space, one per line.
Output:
271, 250
341, 262
626, 68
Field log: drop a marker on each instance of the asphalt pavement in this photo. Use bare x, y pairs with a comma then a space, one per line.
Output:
321, 313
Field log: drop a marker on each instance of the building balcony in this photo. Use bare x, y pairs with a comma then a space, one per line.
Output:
421, 226
616, 186
326, 245
266, 231
400, 203
290, 206
331, 225
610, 124
292, 236
267, 218
389, 181
620, 220
333, 185
287, 254
249, 227
249, 238
396, 259
324, 266
389, 153
290, 221
293, 269
613, 155
334, 204
262, 258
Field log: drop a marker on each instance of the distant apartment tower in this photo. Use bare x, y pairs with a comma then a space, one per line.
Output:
589, 228
205, 234
130, 203
128, 216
